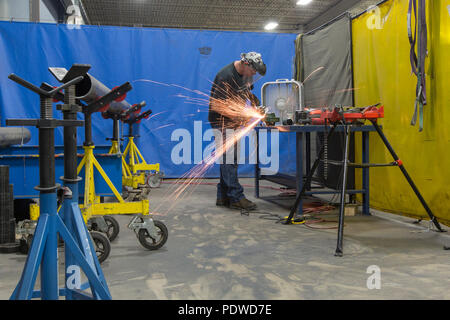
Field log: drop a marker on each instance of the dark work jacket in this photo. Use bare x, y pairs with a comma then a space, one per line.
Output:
228, 83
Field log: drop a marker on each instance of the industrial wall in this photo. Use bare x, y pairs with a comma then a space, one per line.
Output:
172, 70
382, 73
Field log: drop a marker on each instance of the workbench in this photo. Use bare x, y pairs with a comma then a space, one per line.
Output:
303, 146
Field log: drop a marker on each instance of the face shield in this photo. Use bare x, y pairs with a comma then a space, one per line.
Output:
251, 80
254, 61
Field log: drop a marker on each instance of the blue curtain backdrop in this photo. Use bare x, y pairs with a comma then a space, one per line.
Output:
183, 61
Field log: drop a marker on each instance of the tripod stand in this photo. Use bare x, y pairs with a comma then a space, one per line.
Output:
348, 120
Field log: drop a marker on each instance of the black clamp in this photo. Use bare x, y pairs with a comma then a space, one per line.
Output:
104, 101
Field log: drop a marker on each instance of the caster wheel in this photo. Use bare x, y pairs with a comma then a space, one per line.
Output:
131, 197
101, 244
25, 244
113, 228
153, 181
24, 248
150, 243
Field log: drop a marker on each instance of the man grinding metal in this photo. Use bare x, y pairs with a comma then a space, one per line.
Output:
229, 93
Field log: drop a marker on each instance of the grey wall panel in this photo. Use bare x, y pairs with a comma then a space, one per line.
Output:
327, 61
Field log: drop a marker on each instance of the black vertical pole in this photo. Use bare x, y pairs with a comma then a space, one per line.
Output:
308, 156
299, 172
47, 200
130, 129
47, 149
365, 173
339, 251
115, 128
70, 137
408, 178
257, 170
88, 129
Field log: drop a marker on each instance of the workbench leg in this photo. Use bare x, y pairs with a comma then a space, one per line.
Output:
298, 199
365, 174
299, 168
407, 177
257, 170
308, 157
339, 247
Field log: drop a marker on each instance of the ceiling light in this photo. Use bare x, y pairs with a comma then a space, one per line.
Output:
303, 2
271, 26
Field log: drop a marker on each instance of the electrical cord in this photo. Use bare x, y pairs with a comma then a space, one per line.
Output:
215, 183
306, 221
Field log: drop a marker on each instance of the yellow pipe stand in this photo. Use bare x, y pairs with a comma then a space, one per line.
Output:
134, 170
91, 205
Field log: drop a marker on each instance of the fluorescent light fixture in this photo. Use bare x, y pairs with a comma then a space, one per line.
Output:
303, 2
271, 25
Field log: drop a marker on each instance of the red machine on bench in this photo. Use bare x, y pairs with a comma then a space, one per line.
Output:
329, 116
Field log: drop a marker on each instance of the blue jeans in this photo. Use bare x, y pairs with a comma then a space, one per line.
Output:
229, 186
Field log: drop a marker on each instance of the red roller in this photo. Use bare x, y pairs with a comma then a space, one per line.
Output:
121, 98
55, 100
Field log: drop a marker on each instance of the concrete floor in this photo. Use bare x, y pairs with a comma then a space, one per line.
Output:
217, 253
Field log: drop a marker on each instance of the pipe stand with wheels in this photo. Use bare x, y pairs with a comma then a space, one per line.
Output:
43, 252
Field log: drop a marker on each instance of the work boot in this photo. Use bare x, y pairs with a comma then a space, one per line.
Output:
223, 202
244, 204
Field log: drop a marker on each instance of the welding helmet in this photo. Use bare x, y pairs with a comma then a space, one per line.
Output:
254, 60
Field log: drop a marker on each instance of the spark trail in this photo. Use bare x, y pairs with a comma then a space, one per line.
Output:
238, 115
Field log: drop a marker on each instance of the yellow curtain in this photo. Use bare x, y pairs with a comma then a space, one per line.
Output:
382, 73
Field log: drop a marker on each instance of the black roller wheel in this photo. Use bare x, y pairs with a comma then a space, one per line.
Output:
150, 243
153, 180
113, 228
25, 244
101, 244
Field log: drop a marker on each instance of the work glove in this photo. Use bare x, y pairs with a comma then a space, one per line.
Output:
254, 100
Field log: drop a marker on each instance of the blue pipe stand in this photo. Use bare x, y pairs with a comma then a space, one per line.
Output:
78, 247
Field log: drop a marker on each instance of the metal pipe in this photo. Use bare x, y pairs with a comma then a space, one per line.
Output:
90, 89
11, 136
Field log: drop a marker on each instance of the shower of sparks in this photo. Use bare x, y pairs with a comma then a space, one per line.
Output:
178, 192
155, 114
163, 126
238, 115
310, 75
151, 81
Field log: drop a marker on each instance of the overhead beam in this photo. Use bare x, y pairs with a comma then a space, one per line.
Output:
330, 14
35, 15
